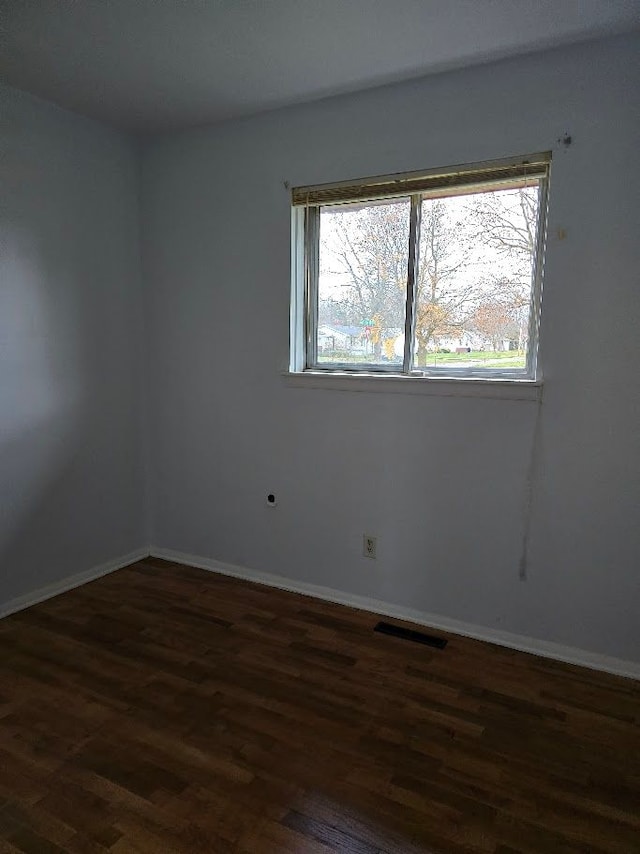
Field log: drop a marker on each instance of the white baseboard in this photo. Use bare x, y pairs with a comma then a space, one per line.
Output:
546, 649
68, 583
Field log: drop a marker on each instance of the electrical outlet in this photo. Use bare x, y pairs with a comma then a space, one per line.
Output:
369, 545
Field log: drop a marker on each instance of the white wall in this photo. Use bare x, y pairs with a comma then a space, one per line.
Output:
439, 480
71, 478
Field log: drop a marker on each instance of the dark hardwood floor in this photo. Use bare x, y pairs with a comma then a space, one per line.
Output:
164, 708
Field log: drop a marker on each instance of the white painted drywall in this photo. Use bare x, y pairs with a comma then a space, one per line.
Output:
71, 475
439, 481
148, 64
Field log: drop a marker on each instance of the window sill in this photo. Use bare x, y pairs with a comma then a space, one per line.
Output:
498, 389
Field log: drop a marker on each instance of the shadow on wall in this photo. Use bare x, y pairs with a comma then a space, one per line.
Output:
43, 401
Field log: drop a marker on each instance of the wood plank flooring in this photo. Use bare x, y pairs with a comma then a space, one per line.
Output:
167, 709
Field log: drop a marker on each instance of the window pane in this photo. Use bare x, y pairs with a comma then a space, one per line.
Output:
475, 279
362, 283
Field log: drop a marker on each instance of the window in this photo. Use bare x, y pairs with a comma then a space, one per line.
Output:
434, 274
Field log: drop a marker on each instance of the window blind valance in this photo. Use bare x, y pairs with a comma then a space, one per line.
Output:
516, 172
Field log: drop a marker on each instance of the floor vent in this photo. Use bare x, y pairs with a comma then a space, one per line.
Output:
410, 634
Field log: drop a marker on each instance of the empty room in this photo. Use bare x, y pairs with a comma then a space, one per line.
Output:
320, 426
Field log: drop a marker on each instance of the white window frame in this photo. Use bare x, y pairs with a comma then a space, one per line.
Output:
306, 204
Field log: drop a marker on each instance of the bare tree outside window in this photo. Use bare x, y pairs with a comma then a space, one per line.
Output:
473, 280
427, 274
507, 224
364, 251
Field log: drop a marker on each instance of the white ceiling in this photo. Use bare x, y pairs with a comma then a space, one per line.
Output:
154, 64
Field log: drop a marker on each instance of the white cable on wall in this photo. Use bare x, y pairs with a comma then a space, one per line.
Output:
527, 505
